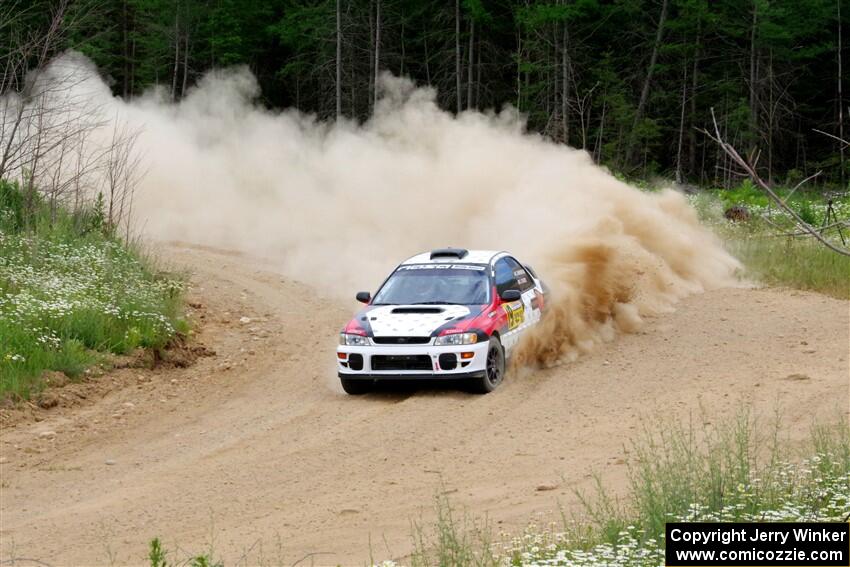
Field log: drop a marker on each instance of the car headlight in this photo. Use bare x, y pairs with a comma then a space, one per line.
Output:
347, 339
457, 339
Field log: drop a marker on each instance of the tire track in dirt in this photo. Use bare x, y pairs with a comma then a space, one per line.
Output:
258, 443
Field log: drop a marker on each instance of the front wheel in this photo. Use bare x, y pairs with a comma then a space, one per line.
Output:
356, 387
494, 372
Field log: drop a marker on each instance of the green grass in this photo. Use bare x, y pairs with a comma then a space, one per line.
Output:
158, 557
769, 257
72, 293
800, 263
454, 539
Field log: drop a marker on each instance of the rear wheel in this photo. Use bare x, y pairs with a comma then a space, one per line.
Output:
355, 386
494, 372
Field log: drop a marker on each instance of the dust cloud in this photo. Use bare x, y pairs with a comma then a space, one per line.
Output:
338, 205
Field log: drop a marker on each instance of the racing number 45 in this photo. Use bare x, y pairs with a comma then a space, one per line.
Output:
516, 314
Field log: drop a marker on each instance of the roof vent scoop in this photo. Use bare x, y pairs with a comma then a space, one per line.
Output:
458, 253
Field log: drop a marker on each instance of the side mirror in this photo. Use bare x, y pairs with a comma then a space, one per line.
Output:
511, 295
364, 296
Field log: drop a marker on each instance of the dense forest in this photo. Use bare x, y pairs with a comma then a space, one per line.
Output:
630, 81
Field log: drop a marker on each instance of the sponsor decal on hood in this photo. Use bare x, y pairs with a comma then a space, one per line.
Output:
412, 320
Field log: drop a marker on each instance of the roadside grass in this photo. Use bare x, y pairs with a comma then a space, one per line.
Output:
736, 471
802, 263
793, 261
158, 557
71, 293
454, 539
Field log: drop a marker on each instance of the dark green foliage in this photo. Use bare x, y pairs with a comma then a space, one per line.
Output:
11, 206
575, 68
807, 213
746, 194
96, 219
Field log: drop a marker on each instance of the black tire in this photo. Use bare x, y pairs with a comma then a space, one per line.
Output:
356, 386
494, 372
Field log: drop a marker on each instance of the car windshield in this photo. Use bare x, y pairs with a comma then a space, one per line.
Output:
432, 284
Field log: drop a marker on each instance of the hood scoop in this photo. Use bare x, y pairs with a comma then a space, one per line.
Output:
417, 309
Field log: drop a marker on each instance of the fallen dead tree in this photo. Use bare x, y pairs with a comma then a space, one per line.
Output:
749, 169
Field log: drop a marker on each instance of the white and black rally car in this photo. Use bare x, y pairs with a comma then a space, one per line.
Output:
450, 313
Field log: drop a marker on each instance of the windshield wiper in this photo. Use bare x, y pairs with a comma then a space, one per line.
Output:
436, 303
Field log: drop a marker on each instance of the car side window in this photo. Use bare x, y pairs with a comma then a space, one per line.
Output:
505, 278
523, 279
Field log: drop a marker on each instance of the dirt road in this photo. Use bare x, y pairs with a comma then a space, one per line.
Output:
257, 450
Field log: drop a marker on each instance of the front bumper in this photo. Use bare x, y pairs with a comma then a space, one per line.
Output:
465, 368
420, 376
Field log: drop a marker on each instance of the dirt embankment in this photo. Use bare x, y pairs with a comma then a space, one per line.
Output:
257, 443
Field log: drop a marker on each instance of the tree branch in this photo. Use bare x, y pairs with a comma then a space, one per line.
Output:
745, 165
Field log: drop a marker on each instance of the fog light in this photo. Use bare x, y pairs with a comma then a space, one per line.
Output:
448, 361
467, 355
355, 361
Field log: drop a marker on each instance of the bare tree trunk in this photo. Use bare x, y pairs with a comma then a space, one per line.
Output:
377, 45
133, 66
56, 184
38, 144
527, 81
717, 154
401, 70
370, 95
565, 90
548, 83
692, 133
457, 56
471, 64
478, 77
753, 74
618, 157
553, 80
600, 137
679, 176
9, 149
176, 55
185, 64
644, 92
126, 45
338, 59
518, 69
352, 78
770, 119
427, 64
43, 47
840, 99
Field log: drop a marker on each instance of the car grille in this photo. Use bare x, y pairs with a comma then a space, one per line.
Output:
401, 340
401, 362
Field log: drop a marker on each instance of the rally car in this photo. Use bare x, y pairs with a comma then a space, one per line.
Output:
449, 313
